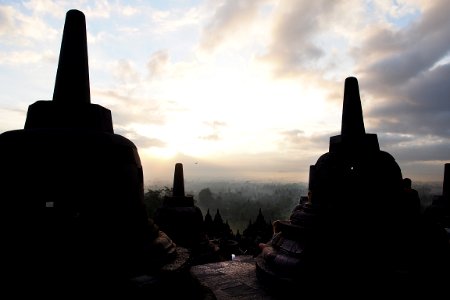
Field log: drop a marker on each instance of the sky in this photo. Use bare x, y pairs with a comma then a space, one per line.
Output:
244, 89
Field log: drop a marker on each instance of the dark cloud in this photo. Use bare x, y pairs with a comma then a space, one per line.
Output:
311, 145
388, 57
420, 107
391, 140
405, 53
431, 172
429, 151
402, 72
297, 24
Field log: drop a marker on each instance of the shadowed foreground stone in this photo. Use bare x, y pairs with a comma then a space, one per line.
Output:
234, 279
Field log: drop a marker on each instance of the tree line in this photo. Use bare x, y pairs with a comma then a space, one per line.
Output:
238, 204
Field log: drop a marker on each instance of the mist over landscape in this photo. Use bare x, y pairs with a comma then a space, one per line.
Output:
239, 201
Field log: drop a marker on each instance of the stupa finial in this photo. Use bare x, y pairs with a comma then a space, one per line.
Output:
352, 116
178, 181
446, 184
72, 77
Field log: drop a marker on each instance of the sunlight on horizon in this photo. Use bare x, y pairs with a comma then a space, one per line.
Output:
233, 112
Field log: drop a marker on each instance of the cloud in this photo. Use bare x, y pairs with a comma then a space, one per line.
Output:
389, 140
421, 107
100, 9
45, 7
310, 40
404, 79
298, 139
128, 110
153, 56
229, 18
296, 24
210, 137
429, 149
297, 148
267, 166
215, 126
21, 29
125, 73
294, 136
398, 55
158, 63
27, 57
264, 166
166, 21
12, 118
139, 140
6, 19
130, 11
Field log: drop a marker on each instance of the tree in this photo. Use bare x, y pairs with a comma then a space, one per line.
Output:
153, 199
206, 198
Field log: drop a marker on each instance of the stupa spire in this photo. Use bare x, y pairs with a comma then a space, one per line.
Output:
178, 181
352, 116
446, 184
72, 77
71, 105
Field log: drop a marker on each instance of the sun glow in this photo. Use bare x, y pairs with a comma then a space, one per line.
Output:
232, 110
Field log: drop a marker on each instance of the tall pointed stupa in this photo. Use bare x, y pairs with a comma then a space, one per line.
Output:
71, 106
179, 217
73, 190
345, 232
355, 168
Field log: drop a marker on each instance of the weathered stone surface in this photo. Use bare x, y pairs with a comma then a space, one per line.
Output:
234, 279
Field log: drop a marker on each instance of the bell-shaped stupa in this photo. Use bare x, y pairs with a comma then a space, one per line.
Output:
346, 230
178, 216
73, 191
183, 221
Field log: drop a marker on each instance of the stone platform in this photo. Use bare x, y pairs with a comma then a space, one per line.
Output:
235, 279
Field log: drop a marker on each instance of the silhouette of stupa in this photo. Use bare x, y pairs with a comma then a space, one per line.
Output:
346, 230
439, 210
179, 217
73, 191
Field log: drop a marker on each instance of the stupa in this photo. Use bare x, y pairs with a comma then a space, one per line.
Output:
435, 237
73, 192
178, 216
183, 221
439, 209
346, 230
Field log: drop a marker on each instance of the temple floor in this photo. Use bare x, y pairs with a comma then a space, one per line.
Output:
235, 279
